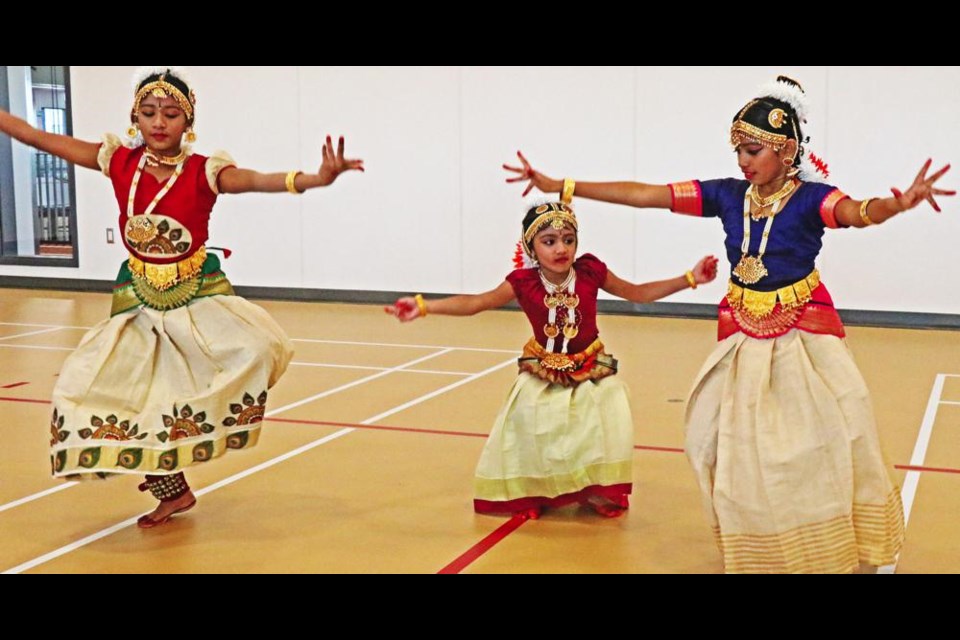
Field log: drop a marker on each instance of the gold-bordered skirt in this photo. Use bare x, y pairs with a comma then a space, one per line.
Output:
174, 378
782, 437
564, 434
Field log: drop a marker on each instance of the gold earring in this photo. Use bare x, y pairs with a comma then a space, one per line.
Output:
191, 136
132, 131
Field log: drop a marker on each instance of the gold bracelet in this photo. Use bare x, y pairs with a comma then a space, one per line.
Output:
863, 212
691, 280
566, 196
421, 305
291, 182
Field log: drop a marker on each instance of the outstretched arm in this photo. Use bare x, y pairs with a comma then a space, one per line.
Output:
705, 271
79, 152
407, 309
635, 194
863, 213
236, 180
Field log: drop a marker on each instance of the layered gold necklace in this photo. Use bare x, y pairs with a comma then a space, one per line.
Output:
766, 202
154, 159
140, 227
561, 297
750, 269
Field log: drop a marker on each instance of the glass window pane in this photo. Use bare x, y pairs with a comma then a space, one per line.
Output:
37, 213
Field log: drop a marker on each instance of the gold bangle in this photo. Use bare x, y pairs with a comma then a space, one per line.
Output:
691, 280
291, 182
566, 196
863, 212
421, 305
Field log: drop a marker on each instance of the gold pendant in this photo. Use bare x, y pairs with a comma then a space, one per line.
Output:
551, 330
571, 331
141, 229
762, 213
750, 270
551, 301
572, 301
558, 362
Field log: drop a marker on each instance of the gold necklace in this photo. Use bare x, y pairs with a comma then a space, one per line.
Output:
561, 298
552, 288
762, 202
142, 226
155, 160
751, 270
560, 294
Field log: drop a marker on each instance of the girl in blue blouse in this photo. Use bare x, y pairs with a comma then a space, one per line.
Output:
779, 425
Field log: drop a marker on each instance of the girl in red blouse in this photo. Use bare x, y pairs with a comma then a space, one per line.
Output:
179, 373
565, 433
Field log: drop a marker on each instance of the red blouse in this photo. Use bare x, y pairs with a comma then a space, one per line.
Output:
530, 292
187, 205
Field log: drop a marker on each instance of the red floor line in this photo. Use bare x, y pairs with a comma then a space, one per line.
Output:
470, 555
668, 449
473, 434
14, 385
376, 427
470, 434
27, 400
907, 467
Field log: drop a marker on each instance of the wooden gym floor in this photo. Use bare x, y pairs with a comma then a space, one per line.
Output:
367, 456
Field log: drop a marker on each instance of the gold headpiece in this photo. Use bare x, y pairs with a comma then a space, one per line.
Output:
554, 214
743, 132
161, 88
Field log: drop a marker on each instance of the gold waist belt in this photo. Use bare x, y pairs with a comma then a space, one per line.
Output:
761, 303
559, 361
163, 276
564, 369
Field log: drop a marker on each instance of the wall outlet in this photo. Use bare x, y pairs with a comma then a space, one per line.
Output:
109, 235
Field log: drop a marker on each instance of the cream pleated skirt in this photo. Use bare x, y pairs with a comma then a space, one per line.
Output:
782, 437
154, 392
553, 445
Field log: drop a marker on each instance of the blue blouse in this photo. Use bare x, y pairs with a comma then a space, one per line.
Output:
796, 234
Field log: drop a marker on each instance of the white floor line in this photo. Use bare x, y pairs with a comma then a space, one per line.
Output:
355, 383
51, 326
434, 394
909, 490
402, 346
920, 448
73, 546
37, 496
35, 346
324, 394
326, 365
307, 340
30, 333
